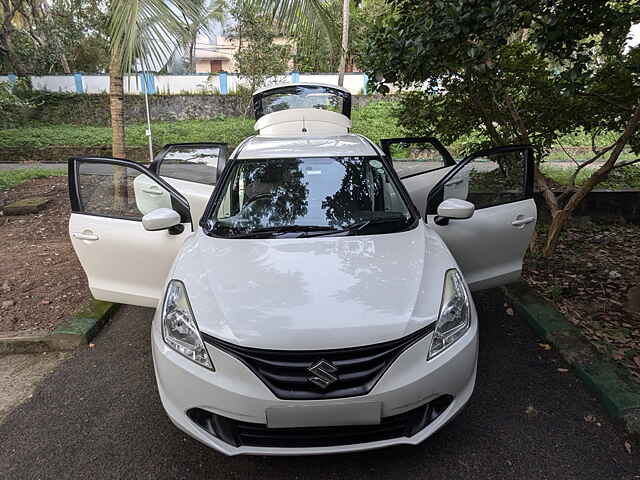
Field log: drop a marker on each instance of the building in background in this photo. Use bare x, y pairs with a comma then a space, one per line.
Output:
216, 53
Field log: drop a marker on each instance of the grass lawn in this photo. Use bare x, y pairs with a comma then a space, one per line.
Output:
375, 121
11, 178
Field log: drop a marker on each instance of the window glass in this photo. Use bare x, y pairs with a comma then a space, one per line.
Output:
287, 98
490, 180
420, 156
115, 191
195, 163
331, 193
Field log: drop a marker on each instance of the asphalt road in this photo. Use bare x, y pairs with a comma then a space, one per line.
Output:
98, 416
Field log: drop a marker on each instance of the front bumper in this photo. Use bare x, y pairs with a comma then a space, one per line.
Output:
234, 392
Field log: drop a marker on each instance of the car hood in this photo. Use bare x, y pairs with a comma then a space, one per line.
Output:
314, 293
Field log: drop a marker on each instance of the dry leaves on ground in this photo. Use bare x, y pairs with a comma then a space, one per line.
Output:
590, 278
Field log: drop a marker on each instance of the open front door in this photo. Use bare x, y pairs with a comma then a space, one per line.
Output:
490, 245
192, 169
124, 263
421, 162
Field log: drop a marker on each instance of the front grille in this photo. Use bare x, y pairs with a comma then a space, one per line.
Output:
239, 434
286, 372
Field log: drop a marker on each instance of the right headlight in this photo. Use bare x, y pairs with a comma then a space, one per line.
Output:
454, 318
179, 328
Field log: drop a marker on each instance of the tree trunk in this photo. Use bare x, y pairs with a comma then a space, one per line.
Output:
65, 64
116, 104
558, 221
560, 216
345, 42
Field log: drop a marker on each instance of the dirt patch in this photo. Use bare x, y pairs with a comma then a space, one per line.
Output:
593, 278
41, 280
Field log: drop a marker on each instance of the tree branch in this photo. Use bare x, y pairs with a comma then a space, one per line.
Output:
520, 125
603, 171
568, 154
626, 164
589, 162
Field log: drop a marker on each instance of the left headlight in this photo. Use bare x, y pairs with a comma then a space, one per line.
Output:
455, 314
179, 328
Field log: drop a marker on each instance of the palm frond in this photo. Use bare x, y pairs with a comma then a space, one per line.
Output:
295, 17
144, 33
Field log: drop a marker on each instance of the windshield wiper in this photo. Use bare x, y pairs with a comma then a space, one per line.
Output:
355, 227
282, 229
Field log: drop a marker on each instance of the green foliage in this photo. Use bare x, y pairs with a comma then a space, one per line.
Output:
374, 120
314, 54
11, 178
145, 33
231, 130
55, 36
312, 24
258, 56
509, 71
624, 178
377, 120
15, 103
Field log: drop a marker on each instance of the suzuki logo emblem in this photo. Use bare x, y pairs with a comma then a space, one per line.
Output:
322, 372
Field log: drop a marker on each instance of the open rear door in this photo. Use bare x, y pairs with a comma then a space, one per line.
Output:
490, 246
421, 162
192, 169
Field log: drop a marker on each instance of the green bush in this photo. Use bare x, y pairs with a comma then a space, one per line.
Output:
375, 121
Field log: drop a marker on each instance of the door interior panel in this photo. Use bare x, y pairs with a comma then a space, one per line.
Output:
419, 186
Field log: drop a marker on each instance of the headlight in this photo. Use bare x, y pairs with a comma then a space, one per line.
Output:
455, 314
179, 328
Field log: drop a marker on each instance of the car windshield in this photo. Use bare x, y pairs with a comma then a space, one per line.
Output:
307, 197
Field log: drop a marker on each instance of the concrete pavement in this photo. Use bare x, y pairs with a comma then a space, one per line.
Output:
98, 416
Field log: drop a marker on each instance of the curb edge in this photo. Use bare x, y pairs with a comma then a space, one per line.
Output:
77, 330
619, 395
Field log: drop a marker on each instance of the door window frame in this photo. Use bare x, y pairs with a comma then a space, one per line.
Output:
160, 156
435, 195
178, 202
448, 159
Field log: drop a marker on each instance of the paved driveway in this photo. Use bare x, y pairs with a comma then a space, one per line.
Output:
98, 416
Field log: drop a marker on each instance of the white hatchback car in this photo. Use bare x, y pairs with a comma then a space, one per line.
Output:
313, 301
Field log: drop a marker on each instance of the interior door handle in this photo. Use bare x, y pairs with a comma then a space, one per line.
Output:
91, 237
523, 221
152, 192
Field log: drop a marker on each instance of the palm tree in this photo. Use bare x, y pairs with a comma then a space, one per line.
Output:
143, 35
344, 51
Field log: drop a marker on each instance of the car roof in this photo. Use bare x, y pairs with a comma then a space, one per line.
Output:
347, 145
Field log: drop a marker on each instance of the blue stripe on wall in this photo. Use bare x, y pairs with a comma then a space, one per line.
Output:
78, 79
224, 89
148, 82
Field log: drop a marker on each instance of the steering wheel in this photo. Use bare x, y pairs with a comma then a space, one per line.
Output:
255, 198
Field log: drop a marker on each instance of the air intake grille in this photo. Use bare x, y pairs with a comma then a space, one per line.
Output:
238, 433
286, 372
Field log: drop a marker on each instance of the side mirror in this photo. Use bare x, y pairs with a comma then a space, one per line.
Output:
454, 208
162, 219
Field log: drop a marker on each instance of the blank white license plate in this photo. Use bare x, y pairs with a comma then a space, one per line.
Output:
359, 413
